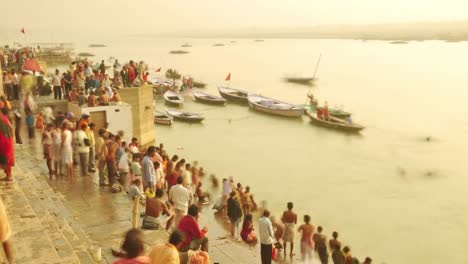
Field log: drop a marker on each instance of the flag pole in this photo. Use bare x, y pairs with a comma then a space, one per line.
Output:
315, 74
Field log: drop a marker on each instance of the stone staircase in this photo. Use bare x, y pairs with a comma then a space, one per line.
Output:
44, 230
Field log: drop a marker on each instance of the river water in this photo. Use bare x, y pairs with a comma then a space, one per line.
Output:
388, 192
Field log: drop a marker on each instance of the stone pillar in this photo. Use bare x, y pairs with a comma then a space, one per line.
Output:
141, 100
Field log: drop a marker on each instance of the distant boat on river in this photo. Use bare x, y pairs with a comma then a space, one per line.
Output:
334, 123
233, 94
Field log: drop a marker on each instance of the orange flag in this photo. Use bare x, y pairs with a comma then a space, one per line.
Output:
228, 77
159, 69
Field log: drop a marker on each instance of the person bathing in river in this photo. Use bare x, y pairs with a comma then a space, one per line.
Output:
307, 231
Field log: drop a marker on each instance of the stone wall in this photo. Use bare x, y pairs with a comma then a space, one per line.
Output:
141, 100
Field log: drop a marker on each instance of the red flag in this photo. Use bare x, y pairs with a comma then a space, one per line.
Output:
228, 77
159, 69
23, 31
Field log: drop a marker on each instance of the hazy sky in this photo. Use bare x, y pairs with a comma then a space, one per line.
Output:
185, 15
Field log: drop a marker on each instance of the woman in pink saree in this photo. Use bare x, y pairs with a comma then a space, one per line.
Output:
7, 159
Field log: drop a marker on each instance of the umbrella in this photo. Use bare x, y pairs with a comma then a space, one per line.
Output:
31, 65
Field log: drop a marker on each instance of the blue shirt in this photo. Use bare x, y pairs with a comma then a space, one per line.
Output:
30, 120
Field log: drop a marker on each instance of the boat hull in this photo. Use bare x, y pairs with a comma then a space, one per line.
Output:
163, 118
334, 123
186, 117
293, 112
209, 101
233, 97
333, 112
173, 99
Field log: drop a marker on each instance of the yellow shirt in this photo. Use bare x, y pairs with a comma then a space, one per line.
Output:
4, 224
90, 134
164, 254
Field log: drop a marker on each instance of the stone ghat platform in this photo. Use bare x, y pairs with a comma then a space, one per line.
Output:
54, 221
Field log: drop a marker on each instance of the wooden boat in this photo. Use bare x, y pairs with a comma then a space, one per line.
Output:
300, 80
333, 112
335, 123
218, 45
199, 84
234, 95
162, 118
173, 98
178, 52
208, 98
274, 107
185, 116
186, 45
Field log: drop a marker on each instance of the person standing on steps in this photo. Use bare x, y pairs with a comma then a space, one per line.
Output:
289, 219
265, 231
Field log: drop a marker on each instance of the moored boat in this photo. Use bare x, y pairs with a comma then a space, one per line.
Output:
162, 118
274, 107
208, 98
173, 98
185, 116
335, 123
300, 80
234, 95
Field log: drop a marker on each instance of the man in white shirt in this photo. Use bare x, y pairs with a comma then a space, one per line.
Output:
265, 230
83, 149
15, 83
57, 85
179, 196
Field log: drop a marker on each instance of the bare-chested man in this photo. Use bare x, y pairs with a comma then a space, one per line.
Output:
112, 147
157, 208
306, 239
289, 219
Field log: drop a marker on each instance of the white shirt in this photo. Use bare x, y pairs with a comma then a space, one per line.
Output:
56, 80
187, 178
227, 188
265, 231
123, 163
149, 175
180, 196
82, 148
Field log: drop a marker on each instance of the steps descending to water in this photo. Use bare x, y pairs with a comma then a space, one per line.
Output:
44, 230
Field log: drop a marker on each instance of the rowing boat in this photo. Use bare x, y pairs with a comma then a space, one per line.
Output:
185, 116
208, 98
162, 118
274, 107
234, 95
173, 98
333, 122
333, 112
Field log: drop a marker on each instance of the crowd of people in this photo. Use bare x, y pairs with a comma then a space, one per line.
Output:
84, 79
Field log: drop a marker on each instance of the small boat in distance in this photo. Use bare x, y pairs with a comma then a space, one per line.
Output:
185, 116
274, 107
208, 98
300, 80
178, 52
162, 118
259, 40
198, 84
173, 98
334, 123
97, 46
218, 45
234, 95
186, 45
398, 42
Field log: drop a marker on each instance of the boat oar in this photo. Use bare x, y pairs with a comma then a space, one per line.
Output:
315, 74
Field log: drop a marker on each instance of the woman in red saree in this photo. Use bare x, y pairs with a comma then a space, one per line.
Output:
6, 141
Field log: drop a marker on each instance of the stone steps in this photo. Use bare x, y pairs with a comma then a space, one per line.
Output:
37, 212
